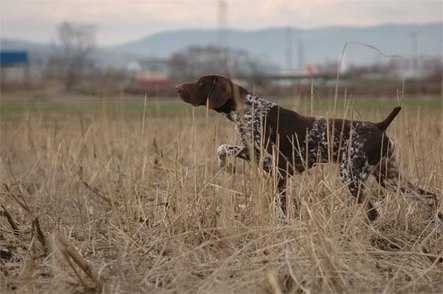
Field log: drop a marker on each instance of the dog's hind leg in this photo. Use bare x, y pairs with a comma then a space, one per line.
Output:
281, 211
354, 170
388, 176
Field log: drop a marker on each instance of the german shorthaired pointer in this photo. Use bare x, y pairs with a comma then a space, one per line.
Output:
283, 142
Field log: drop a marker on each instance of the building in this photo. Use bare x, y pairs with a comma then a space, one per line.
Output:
14, 66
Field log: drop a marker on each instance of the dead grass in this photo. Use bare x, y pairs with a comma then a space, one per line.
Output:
133, 203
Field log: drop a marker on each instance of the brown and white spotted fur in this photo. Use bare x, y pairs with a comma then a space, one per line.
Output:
284, 142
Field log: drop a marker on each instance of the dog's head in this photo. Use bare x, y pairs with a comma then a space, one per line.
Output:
213, 90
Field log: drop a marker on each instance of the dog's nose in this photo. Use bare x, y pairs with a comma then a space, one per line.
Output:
179, 88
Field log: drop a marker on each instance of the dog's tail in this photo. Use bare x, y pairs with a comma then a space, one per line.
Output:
383, 125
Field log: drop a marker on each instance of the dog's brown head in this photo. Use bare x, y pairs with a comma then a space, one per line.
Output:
214, 90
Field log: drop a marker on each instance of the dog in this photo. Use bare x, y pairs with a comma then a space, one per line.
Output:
284, 142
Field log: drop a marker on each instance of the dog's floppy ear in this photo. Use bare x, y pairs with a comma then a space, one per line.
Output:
220, 93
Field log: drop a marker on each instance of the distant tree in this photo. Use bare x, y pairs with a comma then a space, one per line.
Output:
196, 61
73, 49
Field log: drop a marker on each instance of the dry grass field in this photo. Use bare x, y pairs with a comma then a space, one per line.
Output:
94, 199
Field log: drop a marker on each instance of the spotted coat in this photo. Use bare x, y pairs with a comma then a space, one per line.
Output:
249, 123
283, 142
357, 146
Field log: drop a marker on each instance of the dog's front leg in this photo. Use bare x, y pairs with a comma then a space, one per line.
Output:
224, 151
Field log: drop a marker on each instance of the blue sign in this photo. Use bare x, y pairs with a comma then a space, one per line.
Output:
11, 58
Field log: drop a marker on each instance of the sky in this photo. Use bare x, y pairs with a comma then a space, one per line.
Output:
118, 21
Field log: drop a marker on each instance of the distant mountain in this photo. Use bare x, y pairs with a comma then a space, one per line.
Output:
270, 44
319, 45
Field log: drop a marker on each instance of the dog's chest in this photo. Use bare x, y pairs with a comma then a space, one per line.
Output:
249, 120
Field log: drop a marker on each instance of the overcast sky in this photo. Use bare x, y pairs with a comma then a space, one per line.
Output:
123, 20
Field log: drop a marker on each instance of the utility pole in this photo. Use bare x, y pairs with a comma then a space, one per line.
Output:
301, 52
289, 49
221, 23
414, 57
222, 9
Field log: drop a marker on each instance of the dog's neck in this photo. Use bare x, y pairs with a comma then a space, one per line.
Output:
227, 108
244, 105
233, 103
238, 96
